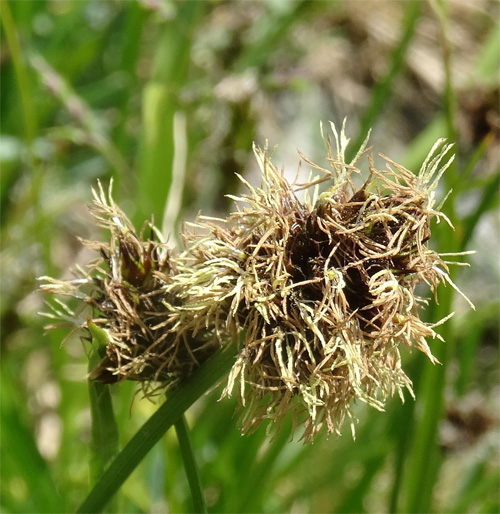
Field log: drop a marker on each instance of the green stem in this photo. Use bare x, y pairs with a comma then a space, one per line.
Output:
193, 475
104, 429
151, 432
424, 460
104, 438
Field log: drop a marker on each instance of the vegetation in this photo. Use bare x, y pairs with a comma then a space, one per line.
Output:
166, 98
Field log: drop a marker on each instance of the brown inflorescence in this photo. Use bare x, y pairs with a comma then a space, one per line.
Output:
124, 291
316, 287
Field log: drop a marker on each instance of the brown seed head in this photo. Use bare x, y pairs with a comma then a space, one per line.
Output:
320, 288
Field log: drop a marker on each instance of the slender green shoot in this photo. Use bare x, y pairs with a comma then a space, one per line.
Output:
190, 466
104, 429
151, 432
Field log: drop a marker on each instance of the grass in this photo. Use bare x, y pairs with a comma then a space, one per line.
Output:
96, 90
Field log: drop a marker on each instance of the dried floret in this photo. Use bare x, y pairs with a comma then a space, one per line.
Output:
323, 288
125, 292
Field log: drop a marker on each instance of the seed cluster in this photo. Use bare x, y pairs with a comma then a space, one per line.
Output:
319, 289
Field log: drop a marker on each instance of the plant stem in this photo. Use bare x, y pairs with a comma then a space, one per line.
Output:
150, 433
424, 458
190, 466
104, 439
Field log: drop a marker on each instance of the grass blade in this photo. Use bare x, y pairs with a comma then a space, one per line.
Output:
23, 81
104, 429
151, 432
190, 466
160, 103
488, 199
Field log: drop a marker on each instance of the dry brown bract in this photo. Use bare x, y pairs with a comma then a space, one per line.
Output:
321, 289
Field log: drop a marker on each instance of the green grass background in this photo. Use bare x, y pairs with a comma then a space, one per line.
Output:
167, 97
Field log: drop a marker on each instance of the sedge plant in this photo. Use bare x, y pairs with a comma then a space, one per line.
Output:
307, 289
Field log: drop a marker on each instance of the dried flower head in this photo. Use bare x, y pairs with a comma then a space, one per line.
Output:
319, 289
323, 287
124, 290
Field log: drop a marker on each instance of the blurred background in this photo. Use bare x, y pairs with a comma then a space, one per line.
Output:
167, 98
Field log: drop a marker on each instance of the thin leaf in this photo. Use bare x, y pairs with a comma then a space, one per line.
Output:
190, 466
104, 429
